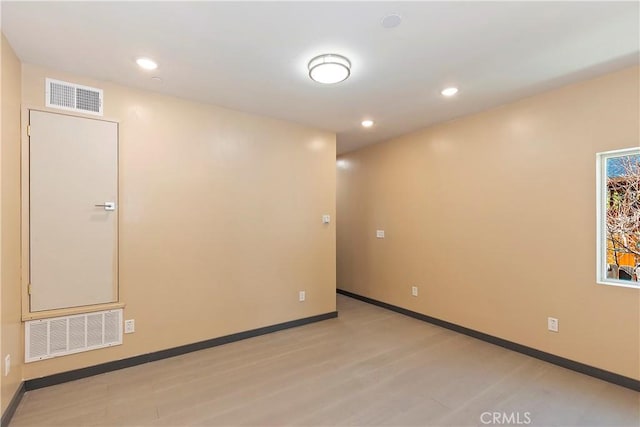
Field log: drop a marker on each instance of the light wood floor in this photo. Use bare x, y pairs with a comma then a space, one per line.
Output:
370, 366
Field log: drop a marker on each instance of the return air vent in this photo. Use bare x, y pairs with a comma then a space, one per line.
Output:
60, 336
73, 97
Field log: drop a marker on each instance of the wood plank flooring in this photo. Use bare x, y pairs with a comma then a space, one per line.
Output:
370, 366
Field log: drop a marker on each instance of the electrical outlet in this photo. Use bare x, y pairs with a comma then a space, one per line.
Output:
7, 364
380, 234
552, 324
326, 219
414, 291
129, 326
302, 295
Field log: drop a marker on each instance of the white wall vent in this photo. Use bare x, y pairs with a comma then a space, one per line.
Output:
59, 336
73, 97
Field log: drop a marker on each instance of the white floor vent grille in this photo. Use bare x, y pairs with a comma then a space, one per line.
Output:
73, 97
59, 336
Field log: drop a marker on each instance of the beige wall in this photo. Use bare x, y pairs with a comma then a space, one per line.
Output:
220, 220
10, 309
493, 217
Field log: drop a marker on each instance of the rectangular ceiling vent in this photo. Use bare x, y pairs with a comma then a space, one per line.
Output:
73, 97
59, 336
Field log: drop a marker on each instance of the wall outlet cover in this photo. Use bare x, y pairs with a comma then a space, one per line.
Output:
7, 364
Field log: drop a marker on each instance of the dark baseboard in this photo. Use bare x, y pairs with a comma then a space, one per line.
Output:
77, 374
13, 405
611, 377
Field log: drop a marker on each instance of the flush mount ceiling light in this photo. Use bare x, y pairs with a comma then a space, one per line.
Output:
450, 91
329, 68
146, 63
391, 21
367, 123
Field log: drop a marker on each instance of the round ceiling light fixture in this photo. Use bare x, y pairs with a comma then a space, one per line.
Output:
391, 21
329, 68
450, 91
146, 63
367, 123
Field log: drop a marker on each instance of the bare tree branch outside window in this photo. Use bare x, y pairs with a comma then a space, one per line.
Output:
623, 217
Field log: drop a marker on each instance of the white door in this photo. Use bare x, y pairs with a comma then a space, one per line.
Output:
73, 219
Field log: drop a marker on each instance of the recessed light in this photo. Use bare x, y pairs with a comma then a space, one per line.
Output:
392, 20
329, 68
367, 123
156, 79
450, 91
146, 63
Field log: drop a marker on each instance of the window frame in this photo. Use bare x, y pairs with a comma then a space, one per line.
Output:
601, 215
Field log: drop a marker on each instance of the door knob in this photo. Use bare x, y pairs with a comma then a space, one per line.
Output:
108, 206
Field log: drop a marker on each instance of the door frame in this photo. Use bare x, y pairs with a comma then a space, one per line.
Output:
27, 314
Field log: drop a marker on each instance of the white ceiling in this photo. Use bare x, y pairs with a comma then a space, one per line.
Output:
252, 56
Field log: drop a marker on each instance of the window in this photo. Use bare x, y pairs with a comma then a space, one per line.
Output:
618, 175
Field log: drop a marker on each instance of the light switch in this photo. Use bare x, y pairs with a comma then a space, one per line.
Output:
129, 326
326, 219
380, 234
